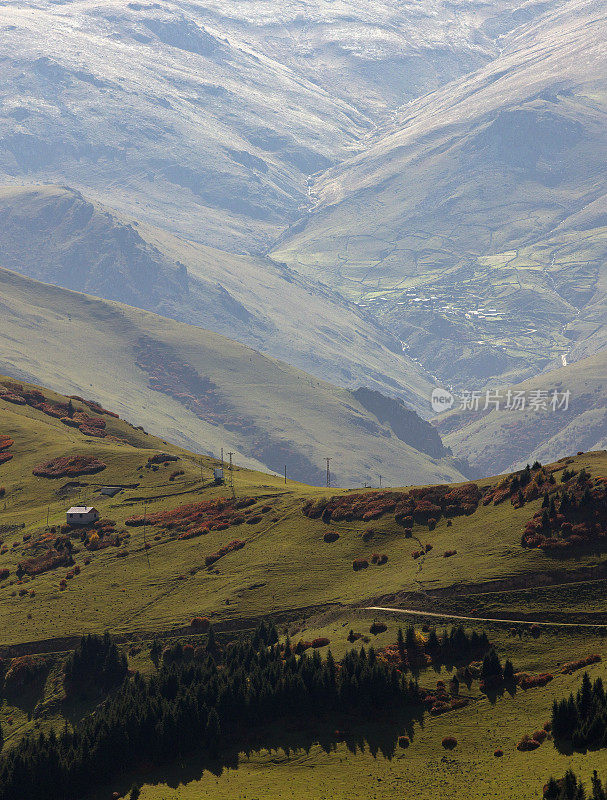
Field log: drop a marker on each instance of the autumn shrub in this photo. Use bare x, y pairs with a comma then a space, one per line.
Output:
254, 520
200, 624
572, 666
237, 544
359, 563
404, 742
331, 536
320, 641
431, 524
449, 553
69, 466
23, 671
527, 743
44, 562
539, 735
5, 442
4, 573
498, 753
449, 742
526, 681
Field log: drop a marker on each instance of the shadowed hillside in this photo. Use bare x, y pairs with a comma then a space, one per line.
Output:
473, 225
200, 389
57, 236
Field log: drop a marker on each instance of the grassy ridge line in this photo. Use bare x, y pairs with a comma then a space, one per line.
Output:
283, 566
507, 440
246, 298
265, 411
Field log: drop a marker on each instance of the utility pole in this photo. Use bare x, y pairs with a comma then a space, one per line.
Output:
328, 472
230, 454
380, 481
285, 473
145, 541
222, 456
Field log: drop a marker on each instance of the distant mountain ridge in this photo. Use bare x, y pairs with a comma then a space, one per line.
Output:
55, 235
197, 388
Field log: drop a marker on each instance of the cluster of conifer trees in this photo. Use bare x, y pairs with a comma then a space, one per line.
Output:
97, 658
570, 788
582, 719
197, 704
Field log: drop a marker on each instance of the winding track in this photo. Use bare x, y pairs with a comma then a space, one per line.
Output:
500, 621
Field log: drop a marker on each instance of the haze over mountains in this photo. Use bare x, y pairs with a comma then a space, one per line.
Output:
55, 235
197, 388
489, 192
427, 178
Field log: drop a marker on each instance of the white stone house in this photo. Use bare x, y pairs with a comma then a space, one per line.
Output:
82, 515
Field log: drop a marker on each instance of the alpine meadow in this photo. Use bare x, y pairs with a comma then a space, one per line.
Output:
303, 400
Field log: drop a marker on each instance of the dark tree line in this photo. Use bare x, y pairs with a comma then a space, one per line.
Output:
570, 788
447, 648
96, 659
582, 719
199, 705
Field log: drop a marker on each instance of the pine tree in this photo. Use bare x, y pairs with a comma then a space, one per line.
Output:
400, 643
155, 652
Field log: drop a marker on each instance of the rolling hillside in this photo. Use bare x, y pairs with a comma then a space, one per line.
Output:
487, 194
172, 550
500, 440
203, 391
55, 235
209, 118
286, 557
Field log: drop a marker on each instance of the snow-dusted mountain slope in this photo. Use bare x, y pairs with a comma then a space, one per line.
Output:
209, 117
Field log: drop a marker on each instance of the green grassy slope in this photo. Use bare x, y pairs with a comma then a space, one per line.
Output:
200, 389
285, 562
486, 193
283, 569
56, 235
499, 441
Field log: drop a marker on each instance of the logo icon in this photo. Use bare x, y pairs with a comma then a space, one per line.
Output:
442, 400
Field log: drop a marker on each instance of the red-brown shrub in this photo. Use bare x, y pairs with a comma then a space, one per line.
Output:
4, 573
201, 624
404, 742
331, 536
527, 743
449, 742
360, 563
320, 641
69, 466
223, 551
449, 553
572, 666
498, 753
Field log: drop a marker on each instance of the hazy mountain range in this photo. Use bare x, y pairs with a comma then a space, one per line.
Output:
391, 196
